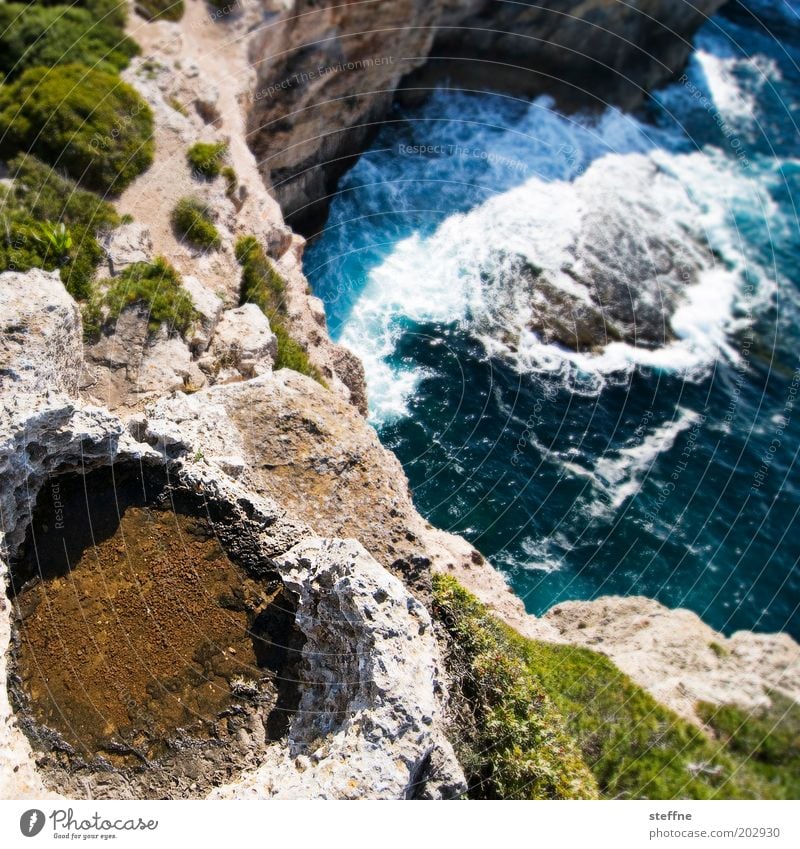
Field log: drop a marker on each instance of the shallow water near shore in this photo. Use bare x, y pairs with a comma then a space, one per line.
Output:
669, 472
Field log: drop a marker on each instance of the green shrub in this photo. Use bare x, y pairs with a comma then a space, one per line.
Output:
160, 10
92, 319
191, 220
263, 286
59, 35
87, 122
512, 742
157, 286
205, 158
106, 11
33, 208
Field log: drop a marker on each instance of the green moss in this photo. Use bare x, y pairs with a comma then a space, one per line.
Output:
40, 200
719, 650
512, 742
635, 747
231, 180
59, 35
191, 220
86, 122
205, 158
160, 10
157, 286
177, 106
262, 285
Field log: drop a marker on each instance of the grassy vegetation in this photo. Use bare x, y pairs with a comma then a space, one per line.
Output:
31, 210
262, 285
87, 122
513, 743
157, 286
768, 740
160, 10
191, 220
59, 35
635, 747
206, 158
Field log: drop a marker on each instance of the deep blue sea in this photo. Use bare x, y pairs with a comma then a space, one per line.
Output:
670, 473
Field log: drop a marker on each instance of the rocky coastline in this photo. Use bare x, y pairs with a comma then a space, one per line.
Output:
294, 482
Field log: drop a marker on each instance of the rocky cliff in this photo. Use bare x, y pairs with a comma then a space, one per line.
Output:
281, 469
326, 73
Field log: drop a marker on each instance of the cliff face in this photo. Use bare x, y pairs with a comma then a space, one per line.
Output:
293, 479
327, 72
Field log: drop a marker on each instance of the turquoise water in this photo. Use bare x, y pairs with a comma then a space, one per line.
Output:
670, 473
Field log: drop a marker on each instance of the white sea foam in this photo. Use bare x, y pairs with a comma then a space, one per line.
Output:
620, 473
538, 215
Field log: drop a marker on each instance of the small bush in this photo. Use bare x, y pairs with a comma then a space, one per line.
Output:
38, 202
59, 35
92, 319
156, 285
263, 286
205, 158
160, 10
191, 220
87, 122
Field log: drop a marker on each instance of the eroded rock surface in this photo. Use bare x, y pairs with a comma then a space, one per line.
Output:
378, 680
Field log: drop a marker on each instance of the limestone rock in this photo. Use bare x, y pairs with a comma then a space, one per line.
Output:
244, 341
130, 364
127, 244
40, 344
167, 366
366, 726
209, 305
